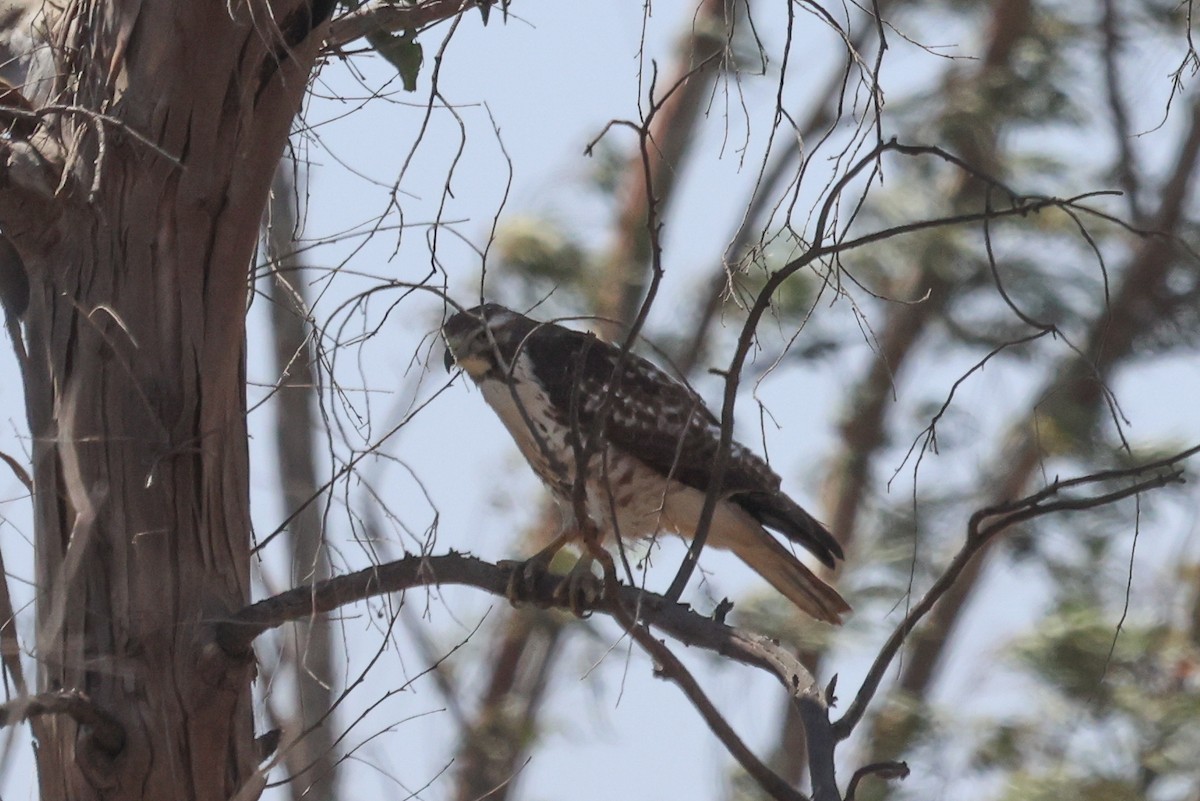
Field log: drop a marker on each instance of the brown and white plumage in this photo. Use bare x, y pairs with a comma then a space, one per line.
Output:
650, 461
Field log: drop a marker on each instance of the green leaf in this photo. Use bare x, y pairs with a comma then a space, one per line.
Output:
402, 51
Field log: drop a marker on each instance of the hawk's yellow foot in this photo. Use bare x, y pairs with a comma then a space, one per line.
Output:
580, 589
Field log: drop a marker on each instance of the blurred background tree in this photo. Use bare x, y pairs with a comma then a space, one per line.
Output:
1065, 304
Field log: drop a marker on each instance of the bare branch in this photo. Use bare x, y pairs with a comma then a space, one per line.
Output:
670, 668
1075, 394
884, 770
986, 524
236, 634
107, 732
1020, 206
392, 17
823, 115
665, 136
862, 432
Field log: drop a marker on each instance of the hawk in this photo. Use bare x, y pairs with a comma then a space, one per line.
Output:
649, 444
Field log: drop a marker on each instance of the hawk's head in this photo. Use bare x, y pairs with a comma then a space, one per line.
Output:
484, 340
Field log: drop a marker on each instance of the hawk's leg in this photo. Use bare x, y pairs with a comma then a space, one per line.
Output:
580, 588
577, 590
522, 581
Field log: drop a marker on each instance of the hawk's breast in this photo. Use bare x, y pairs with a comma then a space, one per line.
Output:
534, 423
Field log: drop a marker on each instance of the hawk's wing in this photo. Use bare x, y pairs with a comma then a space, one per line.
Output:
664, 424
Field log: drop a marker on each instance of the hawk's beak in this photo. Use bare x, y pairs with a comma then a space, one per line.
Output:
448, 359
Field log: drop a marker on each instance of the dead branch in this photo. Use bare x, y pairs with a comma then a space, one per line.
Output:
237, 633
107, 731
824, 115
1020, 206
985, 525
1075, 394
862, 433
666, 134
393, 17
884, 770
669, 667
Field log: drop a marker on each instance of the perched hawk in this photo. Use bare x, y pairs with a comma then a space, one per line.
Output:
649, 461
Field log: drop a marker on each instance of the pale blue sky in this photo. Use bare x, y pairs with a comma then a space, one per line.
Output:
548, 81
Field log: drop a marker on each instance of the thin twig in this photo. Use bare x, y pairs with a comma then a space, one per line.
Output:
670, 668
1021, 206
1075, 391
984, 525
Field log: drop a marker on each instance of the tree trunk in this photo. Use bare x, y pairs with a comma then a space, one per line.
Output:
138, 270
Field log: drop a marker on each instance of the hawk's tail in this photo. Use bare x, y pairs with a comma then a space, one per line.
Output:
778, 511
787, 574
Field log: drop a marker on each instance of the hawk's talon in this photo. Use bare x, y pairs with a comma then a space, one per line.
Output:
524, 576
580, 589
523, 580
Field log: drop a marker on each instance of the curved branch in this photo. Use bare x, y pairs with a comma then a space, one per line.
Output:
883, 770
666, 134
840, 243
984, 525
107, 732
669, 667
632, 607
236, 633
1075, 394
